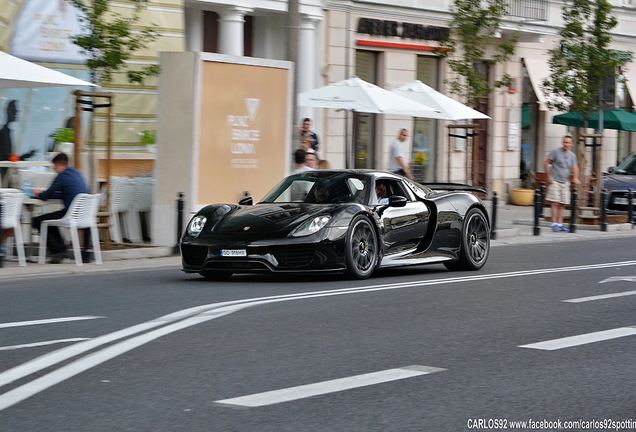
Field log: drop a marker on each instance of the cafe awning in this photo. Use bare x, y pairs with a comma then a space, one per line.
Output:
538, 72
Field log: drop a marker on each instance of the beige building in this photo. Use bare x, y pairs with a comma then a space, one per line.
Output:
387, 43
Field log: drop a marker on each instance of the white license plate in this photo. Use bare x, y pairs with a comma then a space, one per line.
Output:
233, 252
620, 201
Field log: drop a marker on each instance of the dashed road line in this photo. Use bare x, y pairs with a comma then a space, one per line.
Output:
599, 297
583, 339
47, 321
326, 387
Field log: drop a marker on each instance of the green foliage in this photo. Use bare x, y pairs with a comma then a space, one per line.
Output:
65, 135
109, 39
475, 25
582, 61
148, 136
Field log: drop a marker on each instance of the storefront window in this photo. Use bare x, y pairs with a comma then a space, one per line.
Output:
528, 158
364, 123
425, 130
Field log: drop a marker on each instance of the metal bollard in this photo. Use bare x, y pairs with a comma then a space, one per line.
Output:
493, 227
542, 194
1, 232
538, 203
176, 250
573, 215
630, 208
603, 211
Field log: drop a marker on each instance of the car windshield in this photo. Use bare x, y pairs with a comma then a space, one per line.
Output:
322, 187
627, 167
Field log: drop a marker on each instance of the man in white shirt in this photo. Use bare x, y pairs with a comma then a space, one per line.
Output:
398, 163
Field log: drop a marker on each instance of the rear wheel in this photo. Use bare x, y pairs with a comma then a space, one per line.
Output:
361, 248
215, 275
475, 243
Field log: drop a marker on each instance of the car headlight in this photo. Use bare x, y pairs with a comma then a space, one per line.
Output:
311, 226
196, 225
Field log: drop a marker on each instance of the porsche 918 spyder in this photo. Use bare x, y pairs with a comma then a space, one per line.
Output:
346, 221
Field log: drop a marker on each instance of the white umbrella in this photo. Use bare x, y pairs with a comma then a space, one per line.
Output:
447, 108
18, 73
358, 95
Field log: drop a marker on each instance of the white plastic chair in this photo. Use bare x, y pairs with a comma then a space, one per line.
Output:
142, 191
11, 214
81, 214
121, 201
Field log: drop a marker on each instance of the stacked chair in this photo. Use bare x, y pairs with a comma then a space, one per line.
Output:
11, 218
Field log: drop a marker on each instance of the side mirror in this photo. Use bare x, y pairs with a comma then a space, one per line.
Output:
246, 201
611, 169
397, 201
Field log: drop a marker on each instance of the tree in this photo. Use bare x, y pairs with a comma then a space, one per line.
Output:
474, 27
582, 62
109, 40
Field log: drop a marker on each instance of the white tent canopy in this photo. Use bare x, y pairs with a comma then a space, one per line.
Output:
446, 108
18, 73
355, 94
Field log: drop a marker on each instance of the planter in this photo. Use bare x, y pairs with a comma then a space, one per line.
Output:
522, 197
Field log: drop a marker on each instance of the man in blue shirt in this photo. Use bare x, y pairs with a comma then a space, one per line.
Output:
66, 185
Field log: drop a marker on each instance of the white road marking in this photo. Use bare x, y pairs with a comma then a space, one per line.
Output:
47, 321
197, 315
619, 278
331, 386
567, 342
39, 344
599, 297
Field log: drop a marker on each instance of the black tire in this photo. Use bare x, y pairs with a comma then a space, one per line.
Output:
361, 248
475, 242
215, 275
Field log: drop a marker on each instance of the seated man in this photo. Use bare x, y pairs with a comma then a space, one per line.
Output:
68, 183
381, 192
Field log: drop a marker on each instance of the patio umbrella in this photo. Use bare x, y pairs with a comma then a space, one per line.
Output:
18, 73
616, 119
355, 94
447, 108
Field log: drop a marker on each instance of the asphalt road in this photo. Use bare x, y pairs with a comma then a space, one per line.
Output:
420, 349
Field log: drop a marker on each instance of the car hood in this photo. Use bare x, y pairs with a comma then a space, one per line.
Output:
269, 219
619, 182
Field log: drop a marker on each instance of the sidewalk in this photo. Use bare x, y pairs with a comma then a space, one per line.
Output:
514, 226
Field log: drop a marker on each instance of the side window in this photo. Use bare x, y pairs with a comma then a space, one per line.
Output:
399, 189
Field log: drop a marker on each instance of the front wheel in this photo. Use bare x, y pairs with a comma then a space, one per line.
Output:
361, 248
475, 243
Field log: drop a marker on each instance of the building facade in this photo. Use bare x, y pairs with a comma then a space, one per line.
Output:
331, 40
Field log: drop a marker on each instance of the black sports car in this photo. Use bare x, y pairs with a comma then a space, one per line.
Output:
618, 182
348, 221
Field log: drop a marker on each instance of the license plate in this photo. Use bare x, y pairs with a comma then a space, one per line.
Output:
233, 252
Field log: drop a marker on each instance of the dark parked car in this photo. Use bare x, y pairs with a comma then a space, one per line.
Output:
617, 183
346, 221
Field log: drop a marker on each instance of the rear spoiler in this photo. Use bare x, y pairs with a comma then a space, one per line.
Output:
453, 187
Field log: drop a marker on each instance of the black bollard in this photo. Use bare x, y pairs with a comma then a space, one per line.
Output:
573, 200
493, 227
630, 208
538, 203
603, 211
542, 194
176, 250
1, 232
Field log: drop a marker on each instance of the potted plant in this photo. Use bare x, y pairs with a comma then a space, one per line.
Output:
148, 137
524, 195
65, 139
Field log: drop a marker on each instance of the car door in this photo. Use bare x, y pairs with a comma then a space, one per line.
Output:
403, 227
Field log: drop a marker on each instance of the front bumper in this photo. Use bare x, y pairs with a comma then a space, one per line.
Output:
311, 253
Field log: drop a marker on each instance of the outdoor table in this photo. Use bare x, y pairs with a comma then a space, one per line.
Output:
31, 204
